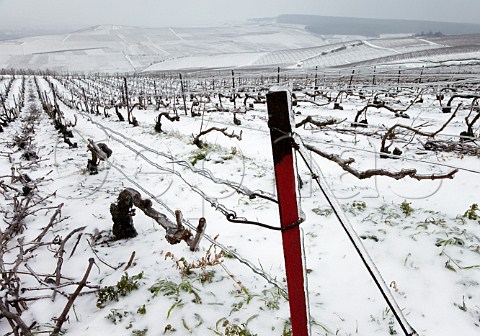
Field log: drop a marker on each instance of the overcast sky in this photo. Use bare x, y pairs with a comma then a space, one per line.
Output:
162, 13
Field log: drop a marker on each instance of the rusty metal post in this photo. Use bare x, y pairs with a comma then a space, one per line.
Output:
280, 123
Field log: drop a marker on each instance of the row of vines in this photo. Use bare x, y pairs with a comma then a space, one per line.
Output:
108, 145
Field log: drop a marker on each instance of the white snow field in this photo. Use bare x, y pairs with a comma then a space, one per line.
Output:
422, 231
124, 49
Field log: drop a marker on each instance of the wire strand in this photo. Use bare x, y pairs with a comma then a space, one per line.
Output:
354, 239
237, 256
400, 157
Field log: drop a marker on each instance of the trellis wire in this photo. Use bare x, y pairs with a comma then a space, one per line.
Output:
355, 240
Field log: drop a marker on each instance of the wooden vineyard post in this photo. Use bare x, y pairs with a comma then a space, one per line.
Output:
280, 124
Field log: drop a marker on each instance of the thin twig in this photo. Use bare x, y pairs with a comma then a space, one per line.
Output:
59, 255
130, 261
14, 317
63, 316
32, 272
103, 262
50, 224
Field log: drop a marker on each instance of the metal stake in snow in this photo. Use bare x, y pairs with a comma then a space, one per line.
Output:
126, 96
183, 93
279, 122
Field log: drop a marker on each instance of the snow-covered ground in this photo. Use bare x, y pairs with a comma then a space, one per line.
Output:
124, 49
113, 49
415, 231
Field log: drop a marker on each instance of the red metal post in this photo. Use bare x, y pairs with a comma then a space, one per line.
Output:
280, 124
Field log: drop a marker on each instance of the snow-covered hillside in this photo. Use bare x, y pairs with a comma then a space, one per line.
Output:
108, 48
122, 49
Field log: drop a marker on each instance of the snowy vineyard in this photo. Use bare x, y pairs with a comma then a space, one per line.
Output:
192, 153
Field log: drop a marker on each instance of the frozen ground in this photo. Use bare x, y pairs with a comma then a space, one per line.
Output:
415, 231
123, 49
108, 48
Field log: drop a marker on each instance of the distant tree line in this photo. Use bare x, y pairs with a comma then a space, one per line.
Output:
430, 34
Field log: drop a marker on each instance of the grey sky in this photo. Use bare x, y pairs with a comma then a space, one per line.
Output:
163, 13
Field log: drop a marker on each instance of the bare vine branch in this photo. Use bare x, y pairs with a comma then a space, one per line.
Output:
63, 316
345, 164
391, 131
11, 317
310, 120
52, 222
59, 255
199, 143
382, 104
